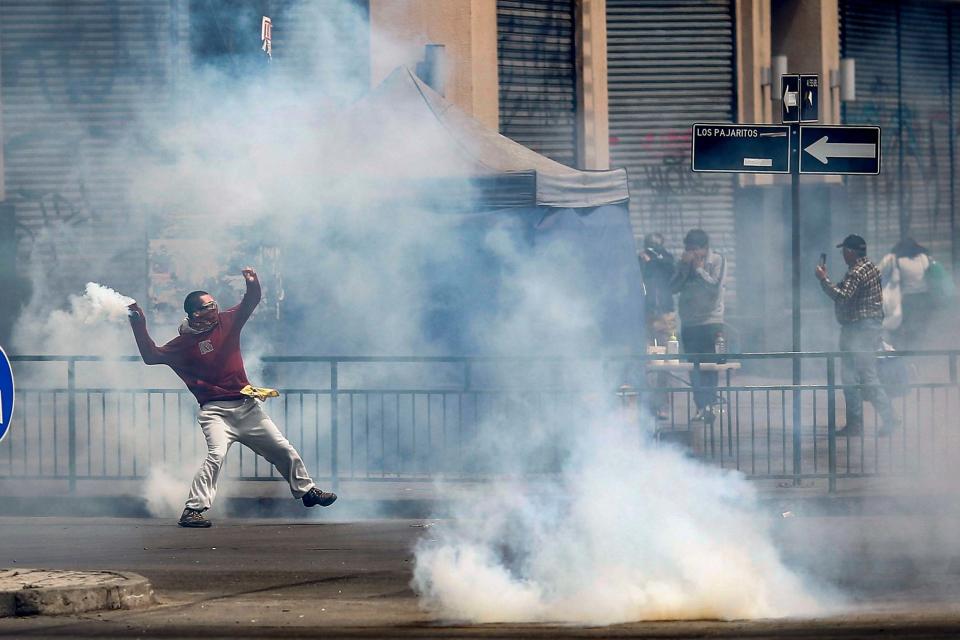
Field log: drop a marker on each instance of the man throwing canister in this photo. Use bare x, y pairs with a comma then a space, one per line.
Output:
206, 356
858, 302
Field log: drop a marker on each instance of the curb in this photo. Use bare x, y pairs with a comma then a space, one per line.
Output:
27, 592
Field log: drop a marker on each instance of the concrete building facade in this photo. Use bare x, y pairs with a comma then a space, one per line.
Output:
590, 83
645, 70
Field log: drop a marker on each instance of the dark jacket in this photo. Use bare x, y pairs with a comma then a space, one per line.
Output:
657, 274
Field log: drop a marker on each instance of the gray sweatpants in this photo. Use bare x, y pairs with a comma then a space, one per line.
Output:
227, 421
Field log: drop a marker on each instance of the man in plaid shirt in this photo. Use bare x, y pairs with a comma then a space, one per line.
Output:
858, 301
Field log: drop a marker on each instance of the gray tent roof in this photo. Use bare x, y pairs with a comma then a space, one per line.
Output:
430, 137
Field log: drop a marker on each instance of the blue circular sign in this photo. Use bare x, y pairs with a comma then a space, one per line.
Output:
6, 393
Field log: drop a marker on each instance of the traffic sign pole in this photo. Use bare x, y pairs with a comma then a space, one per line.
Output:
795, 149
795, 264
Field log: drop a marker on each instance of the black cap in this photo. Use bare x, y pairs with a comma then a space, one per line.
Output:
854, 242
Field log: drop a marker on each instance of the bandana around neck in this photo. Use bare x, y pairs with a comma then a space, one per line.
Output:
185, 328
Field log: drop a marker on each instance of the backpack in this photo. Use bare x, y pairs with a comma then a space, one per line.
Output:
939, 283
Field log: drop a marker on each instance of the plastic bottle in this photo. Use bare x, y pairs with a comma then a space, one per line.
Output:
673, 346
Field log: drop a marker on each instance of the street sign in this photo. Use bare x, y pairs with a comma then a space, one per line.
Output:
6, 393
809, 98
741, 148
840, 150
790, 99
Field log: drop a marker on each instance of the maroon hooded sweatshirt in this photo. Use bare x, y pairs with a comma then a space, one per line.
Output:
210, 362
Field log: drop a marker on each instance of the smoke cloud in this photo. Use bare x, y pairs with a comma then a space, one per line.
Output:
628, 532
90, 324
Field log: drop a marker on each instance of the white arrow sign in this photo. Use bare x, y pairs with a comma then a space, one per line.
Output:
789, 98
822, 150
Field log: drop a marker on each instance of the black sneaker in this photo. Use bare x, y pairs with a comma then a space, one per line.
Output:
193, 519
850, 430
705, 415
316, 497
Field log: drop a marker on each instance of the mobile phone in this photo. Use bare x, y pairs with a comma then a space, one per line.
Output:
823, 259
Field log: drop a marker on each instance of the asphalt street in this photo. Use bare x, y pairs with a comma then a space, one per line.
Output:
272, 578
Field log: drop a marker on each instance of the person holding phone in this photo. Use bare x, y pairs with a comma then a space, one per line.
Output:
858, 303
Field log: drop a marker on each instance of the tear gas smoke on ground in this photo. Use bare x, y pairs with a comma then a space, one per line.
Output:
164, 490
628, 532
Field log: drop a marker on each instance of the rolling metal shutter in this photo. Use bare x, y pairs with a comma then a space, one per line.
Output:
75, 74
537, 76
671, 64
905, 73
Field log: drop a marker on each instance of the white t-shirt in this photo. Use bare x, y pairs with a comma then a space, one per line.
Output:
912, 272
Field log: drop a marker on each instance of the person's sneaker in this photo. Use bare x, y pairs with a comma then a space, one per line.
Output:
193, 519
316, 497
889, 427
704, 415
850, 430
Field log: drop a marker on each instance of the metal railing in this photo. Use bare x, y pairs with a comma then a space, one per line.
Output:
361, 418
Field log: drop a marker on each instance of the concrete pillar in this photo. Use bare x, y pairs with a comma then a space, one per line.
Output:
754, 97
399, 29
808, 33
753, 56
592, 108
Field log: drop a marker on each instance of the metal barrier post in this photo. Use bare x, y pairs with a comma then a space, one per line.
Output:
334, 428
72, 422
953, 368
831, 424
797, 452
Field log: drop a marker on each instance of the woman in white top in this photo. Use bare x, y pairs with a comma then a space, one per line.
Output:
908, 262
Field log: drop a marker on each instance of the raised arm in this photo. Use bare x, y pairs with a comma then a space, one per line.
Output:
149, 351
712, 272
251, 298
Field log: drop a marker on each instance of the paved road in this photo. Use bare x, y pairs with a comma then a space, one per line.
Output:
256, 578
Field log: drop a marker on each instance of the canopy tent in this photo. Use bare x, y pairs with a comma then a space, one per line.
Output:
570, 228
451, 145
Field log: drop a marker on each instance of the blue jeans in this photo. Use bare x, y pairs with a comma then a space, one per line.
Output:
700, 339
862, 369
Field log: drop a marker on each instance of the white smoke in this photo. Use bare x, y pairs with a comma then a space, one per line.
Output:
628, 532
165, 489
92, 323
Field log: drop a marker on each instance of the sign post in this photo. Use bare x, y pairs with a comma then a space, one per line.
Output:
741, 148
789, 99
809, 98
7, 394
795, 148
840, 150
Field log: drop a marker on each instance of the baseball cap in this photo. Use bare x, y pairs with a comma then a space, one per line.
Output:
854, 242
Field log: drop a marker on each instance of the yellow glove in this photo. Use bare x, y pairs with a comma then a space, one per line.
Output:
260, 393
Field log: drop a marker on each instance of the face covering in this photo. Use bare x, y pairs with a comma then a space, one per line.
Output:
197, 325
